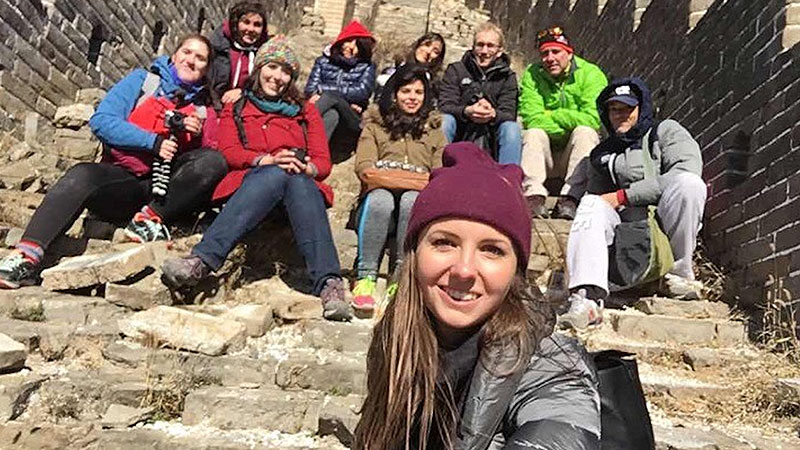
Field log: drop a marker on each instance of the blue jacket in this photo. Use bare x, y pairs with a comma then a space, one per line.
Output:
353, 80
110, 121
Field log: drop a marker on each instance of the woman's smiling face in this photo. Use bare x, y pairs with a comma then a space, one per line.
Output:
464, 269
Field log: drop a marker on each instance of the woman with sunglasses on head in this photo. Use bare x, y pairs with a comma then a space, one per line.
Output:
275, 145
151, 115
342, 80
464, 357
407, 137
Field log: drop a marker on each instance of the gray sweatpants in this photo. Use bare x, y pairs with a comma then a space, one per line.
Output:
381, 211
680, 210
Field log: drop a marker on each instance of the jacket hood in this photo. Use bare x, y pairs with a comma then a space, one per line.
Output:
501, 64
352, 30
228, 33
646, 118
170, 84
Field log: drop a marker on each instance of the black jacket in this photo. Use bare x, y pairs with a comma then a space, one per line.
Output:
553, 403
464, 82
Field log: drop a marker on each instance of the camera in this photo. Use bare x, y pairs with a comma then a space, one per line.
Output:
300, 154
174, 120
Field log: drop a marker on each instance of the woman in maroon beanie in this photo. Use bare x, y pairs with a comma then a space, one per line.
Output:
464, 357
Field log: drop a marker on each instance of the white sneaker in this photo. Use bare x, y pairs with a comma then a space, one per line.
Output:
675, 286
583, 312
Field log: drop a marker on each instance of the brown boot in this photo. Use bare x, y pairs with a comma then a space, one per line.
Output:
536, 205
566, 207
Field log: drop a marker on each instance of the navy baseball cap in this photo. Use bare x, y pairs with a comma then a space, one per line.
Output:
624, 94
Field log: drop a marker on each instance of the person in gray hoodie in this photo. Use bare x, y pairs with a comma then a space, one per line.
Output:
618, 191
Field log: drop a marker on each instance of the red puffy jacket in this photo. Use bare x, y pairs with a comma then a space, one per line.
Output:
268, 133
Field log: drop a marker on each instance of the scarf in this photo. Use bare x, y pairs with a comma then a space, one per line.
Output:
273, 106
190, 90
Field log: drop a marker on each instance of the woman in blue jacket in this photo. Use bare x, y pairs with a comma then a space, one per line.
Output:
343, 78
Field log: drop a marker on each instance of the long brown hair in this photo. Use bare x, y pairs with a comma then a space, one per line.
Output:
405, 406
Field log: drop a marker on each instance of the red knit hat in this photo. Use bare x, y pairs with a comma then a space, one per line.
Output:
352, 30
471, 185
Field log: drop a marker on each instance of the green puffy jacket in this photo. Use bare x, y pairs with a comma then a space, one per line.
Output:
560, 107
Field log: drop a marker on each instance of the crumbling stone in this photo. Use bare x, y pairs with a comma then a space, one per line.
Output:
682, 308
15, 390
73, 116
12, 354
89, 270
256, 318
121, 416
186, 330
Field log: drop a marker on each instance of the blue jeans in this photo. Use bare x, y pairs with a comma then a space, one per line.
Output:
261, 190
509, 143
509, 138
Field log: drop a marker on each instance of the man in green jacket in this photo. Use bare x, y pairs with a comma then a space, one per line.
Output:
559, 116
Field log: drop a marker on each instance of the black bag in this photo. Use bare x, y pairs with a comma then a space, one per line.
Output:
625, 422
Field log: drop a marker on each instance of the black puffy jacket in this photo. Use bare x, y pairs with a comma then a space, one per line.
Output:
353, 80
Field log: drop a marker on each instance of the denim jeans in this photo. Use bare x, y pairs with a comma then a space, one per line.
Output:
261, 190
509, 139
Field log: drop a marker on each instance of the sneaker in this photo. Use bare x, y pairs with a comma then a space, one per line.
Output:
364, 294
678, 287
334, 301
566, 207
16, 270
583, 312
178, 273
143, 230
536, 205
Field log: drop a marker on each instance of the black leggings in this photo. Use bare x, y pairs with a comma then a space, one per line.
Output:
336, 112
114, 194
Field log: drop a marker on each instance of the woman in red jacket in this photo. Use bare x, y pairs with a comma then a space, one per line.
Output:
277, 152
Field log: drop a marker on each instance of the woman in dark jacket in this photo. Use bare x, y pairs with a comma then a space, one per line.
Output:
132, 124
464, 357
275, 145
342, 79
235, 43
427, 52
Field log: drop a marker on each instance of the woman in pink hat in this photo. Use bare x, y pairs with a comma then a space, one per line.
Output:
465, 356
342, 80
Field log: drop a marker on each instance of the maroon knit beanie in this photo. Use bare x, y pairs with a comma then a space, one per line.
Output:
471, 185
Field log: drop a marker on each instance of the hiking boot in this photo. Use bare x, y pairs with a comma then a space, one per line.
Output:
566, 207
143, 230
178, 273
334, 301
364, 294
583, 312
678, 287
536, 205
16, 270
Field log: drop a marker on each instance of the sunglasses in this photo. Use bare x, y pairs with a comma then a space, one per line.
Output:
554, 31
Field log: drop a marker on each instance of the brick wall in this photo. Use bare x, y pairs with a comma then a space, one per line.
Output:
733, 79
49, 49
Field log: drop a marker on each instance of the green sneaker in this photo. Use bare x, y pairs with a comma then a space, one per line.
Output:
364, 294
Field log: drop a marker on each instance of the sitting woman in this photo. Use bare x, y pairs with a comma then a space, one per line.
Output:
235, 43
159, 113
408, 135
275, 145
464, 357
619, 190
427, 52
342, 80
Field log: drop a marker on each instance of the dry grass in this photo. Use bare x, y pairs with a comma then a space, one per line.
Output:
710, 274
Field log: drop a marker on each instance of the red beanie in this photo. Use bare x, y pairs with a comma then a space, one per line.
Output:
354, 29
471, 185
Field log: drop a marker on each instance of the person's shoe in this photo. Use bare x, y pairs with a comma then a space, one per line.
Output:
677, 287
364, 294
178, 273
143, 230
334, 301
583, 312
16, 270
566, 207
536, 205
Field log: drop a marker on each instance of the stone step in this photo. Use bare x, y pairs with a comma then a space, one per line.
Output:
639, 326
702, 437
678, 384
695, 309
